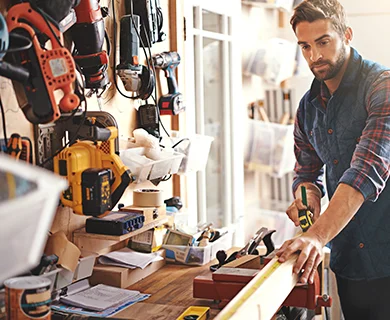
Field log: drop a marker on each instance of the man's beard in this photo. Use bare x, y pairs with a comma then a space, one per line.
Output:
333, 69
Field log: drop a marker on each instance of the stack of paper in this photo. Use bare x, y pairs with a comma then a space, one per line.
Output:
98, 301
129, 258
99, 297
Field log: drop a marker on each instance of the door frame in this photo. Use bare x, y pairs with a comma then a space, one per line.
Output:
233, 112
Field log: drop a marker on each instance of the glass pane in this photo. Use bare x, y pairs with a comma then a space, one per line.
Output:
212, 21
213, 117
194, 16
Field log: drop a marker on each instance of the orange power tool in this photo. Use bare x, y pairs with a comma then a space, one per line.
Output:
19, 147
49, 69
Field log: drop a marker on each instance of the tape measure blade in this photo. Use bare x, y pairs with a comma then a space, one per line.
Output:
264, 294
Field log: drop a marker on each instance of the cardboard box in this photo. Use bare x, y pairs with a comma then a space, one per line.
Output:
148, 241
123, 277
68, 254
62, 277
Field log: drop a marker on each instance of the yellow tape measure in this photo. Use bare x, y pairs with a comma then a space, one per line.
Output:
233, 309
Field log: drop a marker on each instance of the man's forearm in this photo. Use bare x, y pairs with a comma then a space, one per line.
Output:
345, 202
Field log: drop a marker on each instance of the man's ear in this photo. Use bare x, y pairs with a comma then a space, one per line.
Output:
348, 35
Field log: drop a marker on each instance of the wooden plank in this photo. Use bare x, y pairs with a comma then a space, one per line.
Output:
264, 295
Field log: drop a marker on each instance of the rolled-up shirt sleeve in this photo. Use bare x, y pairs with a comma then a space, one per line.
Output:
370, 162
308, 167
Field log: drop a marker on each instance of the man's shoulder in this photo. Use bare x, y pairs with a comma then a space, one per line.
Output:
307, 97
375, 68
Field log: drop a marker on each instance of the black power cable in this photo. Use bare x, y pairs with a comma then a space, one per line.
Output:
27, 45
154, 73
148, 59
3, 120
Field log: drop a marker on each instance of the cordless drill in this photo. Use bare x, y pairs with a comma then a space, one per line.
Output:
88, 36
171, 103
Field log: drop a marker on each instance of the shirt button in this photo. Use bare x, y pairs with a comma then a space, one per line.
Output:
361, 245
335, 161
311, 133
330, 131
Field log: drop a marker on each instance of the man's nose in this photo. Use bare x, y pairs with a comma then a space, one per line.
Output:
315, 55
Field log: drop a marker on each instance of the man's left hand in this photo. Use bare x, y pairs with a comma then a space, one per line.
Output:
310, 256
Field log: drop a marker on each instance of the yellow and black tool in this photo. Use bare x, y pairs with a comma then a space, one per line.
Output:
304, 215
97, 176
14, 146
195, 313
19, 148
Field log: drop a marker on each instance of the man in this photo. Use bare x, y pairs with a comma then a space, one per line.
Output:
343, 122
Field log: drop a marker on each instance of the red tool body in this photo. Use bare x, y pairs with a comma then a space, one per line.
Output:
224, 287
88, 35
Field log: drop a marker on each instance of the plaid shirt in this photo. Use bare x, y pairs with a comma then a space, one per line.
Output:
371, 156
349, 133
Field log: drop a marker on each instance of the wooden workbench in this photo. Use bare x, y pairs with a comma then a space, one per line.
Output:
171, 294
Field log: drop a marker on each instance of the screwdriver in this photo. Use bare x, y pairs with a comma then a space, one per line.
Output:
304, 215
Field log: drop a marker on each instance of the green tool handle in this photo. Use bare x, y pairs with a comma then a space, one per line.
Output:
304, 198
304, 215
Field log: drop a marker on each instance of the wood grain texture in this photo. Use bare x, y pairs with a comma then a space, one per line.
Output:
171, 293
262, 298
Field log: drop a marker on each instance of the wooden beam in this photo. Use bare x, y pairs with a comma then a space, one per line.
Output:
262, 297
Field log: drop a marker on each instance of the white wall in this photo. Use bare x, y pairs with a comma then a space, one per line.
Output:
370, 21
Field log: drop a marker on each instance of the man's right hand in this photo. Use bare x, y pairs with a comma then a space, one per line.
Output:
313, 195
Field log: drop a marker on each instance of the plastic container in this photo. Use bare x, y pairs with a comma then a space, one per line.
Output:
29, 197
271, 147
145, 168
196, 149
193, 255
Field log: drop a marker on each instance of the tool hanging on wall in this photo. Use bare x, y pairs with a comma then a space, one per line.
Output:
171, 103
50, 69
60, 11
88, 35
18, 147
136, 78
52, 137
96, 175
151, 17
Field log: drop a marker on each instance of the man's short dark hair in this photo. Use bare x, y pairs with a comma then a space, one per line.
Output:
312, 10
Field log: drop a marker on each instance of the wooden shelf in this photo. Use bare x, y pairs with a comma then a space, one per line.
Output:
101, 243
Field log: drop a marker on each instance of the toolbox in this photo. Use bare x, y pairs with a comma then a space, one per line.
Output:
115, 223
